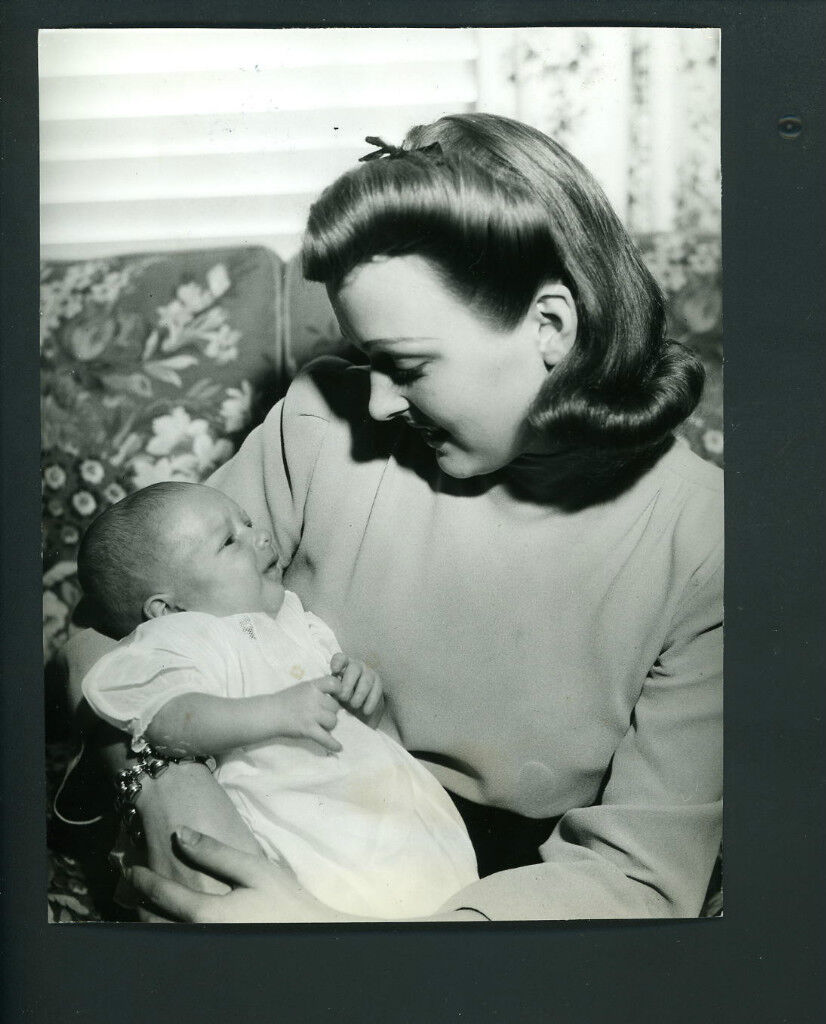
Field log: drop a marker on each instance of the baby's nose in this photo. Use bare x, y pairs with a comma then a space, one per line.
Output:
263, 538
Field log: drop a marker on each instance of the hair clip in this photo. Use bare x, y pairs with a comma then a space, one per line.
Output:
386, 149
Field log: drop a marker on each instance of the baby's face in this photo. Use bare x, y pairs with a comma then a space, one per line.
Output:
217, 561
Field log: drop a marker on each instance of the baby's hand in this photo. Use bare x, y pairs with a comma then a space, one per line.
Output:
308, 711
360, 686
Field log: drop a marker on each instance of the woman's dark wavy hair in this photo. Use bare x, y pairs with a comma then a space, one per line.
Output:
499, 208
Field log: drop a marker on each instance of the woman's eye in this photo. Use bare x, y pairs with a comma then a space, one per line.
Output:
400, 375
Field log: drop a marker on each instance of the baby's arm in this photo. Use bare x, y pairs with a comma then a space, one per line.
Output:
201, 724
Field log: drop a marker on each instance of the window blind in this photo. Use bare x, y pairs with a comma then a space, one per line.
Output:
156, 139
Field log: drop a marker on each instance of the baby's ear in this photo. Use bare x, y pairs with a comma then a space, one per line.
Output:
159, 604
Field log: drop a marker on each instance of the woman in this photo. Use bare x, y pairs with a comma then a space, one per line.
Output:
511, 536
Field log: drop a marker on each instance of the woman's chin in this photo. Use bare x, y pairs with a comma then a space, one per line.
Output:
463, 465
458, 472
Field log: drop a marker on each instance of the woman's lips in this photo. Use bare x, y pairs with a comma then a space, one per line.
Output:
432, 436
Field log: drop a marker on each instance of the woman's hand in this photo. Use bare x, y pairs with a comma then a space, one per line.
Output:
257, 890
187, 792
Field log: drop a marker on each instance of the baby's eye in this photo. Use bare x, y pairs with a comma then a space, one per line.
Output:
229, 540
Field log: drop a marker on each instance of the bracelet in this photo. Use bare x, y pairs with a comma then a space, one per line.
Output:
128, 786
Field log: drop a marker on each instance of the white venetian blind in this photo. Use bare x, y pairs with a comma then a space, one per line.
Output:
181, 138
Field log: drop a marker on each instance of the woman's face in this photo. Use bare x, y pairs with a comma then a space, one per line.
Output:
438, 367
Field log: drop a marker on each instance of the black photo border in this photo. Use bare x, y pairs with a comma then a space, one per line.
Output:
762, 962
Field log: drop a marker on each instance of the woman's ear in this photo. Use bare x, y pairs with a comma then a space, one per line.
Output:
159, 604
558, 322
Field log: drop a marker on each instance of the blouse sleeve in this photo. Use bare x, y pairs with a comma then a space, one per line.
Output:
163, 659
648, 847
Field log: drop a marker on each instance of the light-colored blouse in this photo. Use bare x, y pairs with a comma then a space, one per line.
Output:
543, 661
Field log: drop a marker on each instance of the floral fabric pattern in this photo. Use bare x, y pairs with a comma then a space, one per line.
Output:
687, 267
149, 372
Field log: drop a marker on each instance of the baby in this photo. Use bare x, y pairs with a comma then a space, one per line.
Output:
220, 659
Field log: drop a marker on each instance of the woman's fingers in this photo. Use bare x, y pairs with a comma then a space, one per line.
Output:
173, 899
222, 861
147, 916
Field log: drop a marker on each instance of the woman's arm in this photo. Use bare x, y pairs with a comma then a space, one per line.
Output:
258, 891
647, 849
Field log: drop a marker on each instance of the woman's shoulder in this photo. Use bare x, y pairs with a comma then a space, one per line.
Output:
686, 467
329, 388
326, 409
692, 496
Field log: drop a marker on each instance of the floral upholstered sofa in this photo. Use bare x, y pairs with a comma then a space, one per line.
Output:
155, 367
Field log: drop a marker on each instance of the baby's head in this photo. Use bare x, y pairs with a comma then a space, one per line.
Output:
176, 547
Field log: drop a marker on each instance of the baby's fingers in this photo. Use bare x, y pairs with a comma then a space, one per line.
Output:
363, 690
349, 681
327, 718
329, 684
374, 699
338, 663
324, 739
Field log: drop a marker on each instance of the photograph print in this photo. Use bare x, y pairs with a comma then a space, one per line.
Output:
382, 451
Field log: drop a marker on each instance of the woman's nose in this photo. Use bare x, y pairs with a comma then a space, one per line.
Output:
385, 400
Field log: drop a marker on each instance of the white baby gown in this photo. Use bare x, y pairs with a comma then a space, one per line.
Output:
369, 831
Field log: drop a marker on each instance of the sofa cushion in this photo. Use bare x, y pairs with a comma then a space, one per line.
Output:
152, 368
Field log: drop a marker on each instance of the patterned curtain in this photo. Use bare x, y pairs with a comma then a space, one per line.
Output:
640, 107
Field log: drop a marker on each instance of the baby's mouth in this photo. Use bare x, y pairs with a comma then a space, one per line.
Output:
272, 564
